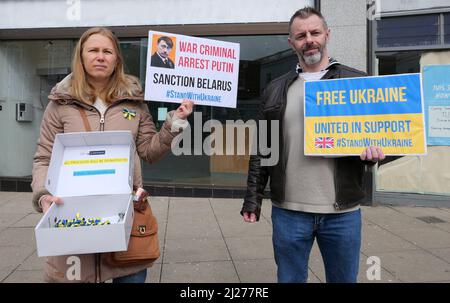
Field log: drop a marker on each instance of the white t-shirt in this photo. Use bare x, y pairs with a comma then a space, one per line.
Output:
313, 76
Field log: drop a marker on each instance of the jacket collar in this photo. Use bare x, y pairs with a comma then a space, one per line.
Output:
61, 91
332, 62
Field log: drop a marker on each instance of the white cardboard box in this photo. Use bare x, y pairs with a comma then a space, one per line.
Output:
93, 174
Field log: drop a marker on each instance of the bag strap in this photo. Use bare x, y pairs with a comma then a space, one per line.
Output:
83, 115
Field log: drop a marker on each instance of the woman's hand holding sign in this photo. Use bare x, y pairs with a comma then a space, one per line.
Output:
185, 109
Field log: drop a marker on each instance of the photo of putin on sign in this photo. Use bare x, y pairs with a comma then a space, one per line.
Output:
161, 56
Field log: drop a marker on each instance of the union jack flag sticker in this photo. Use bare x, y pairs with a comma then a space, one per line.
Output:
324, 142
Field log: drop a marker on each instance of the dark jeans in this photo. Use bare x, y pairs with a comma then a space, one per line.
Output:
138, 277
338, 237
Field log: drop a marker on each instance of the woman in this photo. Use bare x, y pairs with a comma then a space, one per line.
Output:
98, 95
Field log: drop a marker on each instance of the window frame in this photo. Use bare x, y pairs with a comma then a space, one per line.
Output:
441, 34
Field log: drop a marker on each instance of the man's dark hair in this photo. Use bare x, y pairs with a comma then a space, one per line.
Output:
167, 40
307, 12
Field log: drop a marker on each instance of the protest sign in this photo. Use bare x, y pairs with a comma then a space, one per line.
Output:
344, 116
183, 67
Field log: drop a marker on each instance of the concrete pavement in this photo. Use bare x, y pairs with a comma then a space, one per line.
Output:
205, 240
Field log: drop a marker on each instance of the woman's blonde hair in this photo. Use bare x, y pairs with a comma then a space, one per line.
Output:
118, 85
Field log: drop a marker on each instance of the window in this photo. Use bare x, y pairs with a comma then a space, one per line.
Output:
408, 31
30, 69
447, 28
391, 63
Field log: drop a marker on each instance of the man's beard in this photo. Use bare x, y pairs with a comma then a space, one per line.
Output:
313, 59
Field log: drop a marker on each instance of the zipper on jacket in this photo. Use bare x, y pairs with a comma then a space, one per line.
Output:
102, 122
97, 268
102, 116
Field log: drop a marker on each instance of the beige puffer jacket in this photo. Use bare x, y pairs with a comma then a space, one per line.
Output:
62, 116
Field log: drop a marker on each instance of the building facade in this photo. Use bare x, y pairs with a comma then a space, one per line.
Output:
37, 39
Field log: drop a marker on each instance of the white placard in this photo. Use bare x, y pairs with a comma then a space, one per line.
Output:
439, 121
202, 70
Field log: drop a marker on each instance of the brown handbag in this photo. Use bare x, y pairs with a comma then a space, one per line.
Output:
143, 246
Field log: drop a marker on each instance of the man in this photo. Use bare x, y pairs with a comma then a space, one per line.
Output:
161, 57
312, 197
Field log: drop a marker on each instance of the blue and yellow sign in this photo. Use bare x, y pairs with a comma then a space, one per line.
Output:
344, 116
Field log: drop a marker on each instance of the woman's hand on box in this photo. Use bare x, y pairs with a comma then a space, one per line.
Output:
47, 200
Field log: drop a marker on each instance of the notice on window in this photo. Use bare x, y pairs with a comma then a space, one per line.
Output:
436, 87
439, 122
183, 67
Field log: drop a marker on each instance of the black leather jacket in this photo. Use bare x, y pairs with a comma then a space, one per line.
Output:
349, 171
